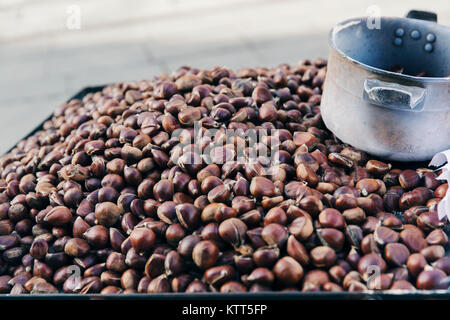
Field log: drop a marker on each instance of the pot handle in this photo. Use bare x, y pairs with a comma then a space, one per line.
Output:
422, 15
393, 95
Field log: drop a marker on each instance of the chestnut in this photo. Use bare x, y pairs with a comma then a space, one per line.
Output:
315, 279
142, 239
384, 235
205, 254
187, 244
275, 215
57, 216
331, 237
76, 247
261, 186
416, 263
266, 256
275, 234
409, 179
155, 265
196, 286
322, 256
301, 228
107, 213
167, 212
402, 285
443, 264
181, 282
433, 253
233, 231
217, 276
188, 215
129, 279
39, 248
173, 263
288, 271
331, 218
337, 273
371, 263
380, 282
159, 284
116, 262
396, 254
413, 239
296, 250
432, 280
354, 215
233, 286
261, 276
332, 287
175, 233
429, 221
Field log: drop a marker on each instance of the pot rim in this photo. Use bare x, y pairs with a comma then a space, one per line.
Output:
353, 21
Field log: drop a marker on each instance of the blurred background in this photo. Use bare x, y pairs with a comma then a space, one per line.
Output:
50, 49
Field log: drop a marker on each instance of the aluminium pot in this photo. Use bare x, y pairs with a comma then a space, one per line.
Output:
398, 117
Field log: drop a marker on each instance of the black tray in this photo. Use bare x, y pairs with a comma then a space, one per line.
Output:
368, 295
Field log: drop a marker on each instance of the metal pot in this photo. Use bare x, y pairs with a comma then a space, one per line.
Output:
394, 116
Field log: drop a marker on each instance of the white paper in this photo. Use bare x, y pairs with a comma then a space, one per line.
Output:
438, 160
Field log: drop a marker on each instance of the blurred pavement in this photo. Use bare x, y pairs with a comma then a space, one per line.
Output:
43, 62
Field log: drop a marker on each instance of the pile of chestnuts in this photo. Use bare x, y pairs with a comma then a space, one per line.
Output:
124, 192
